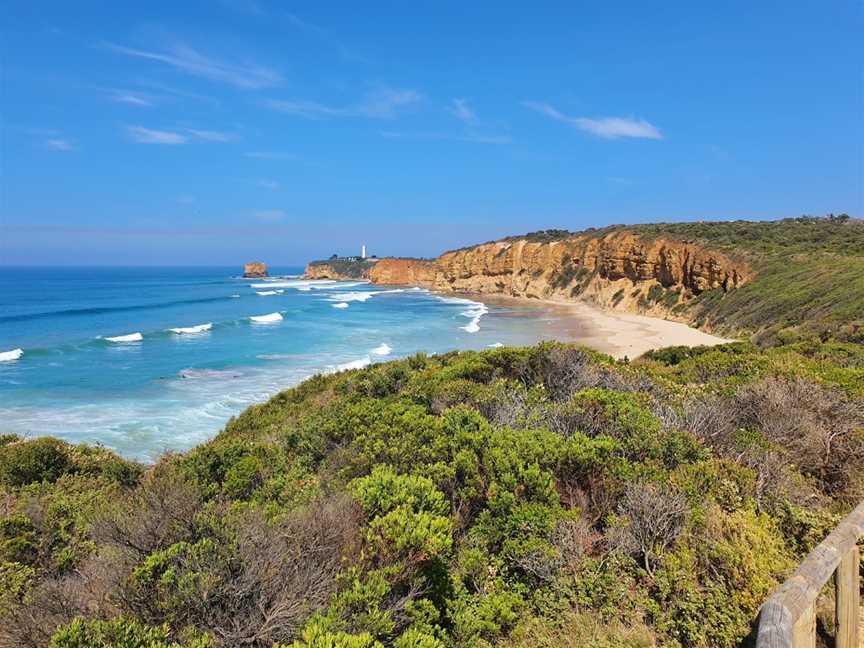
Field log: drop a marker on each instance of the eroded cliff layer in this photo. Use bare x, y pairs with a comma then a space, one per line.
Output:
619, 270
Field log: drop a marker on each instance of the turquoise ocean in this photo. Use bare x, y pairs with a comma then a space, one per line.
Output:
144, 360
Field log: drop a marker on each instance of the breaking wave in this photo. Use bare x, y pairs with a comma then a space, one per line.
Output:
131, 337
266, 319
201, 328
382, 350
11, 356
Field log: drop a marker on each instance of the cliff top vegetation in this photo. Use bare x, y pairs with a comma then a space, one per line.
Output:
510, 497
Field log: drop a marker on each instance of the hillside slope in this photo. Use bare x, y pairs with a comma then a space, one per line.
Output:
547, 496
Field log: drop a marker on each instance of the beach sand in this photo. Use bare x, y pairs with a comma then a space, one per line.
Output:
618, 334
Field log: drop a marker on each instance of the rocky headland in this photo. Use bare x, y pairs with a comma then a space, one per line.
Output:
615, 269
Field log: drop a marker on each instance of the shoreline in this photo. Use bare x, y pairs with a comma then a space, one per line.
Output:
617, 334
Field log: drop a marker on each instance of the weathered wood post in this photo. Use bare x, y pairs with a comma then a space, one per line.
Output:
848, 599
788, 617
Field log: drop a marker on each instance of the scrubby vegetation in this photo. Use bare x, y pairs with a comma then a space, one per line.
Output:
356, 269
547, 496
809, 276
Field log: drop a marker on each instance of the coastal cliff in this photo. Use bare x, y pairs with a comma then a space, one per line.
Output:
618, 269
339, 269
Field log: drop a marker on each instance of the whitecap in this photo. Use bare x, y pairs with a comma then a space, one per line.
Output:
266, 319
201, 328
457, 300
354, 364
340, 305
476, 312
472, 327
265, 293
234, 296
382, 350
354, 296
131, 337
11, 356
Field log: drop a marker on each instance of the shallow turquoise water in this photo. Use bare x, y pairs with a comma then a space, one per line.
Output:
170, 389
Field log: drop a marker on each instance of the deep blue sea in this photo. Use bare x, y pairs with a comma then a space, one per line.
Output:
144, 360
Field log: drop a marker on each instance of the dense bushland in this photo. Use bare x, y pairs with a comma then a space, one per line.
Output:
547, 496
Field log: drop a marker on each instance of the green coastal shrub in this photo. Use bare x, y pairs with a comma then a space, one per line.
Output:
38, 460
118, 633
498, 498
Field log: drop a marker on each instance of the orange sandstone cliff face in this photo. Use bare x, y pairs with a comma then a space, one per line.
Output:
618, 270
417, 272
255, 270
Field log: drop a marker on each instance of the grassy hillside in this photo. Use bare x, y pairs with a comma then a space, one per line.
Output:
546, 496
809, 281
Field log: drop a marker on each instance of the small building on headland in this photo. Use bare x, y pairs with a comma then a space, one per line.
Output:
342, 267
255, 270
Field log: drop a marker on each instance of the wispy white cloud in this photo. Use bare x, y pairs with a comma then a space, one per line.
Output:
144, 135
151, 136
383, 103
271, 155
59, 144
188, 60
210, 136
175, 92
268, 184
474, 138
606, 127
460, 109
131, 98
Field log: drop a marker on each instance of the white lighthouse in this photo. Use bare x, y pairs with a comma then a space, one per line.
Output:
363, 251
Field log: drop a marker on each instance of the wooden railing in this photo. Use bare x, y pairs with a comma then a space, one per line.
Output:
788, 618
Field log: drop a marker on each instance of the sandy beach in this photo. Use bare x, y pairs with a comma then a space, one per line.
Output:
618, 334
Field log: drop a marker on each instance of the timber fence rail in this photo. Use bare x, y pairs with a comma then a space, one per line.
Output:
788, 617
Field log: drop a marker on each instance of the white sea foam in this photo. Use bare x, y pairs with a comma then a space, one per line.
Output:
472, 327
457, 300
296, 283
234, 296
201, 328
340, 305
11, 356
354, 364
382, 350
354, 296
476, 312
265, 293
131, 337
192, 373
267, 319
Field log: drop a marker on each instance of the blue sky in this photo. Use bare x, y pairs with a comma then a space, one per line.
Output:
215, 132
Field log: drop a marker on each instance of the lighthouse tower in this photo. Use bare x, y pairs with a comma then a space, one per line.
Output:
363, 251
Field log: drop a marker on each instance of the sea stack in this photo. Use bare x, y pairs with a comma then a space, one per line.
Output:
255, 270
